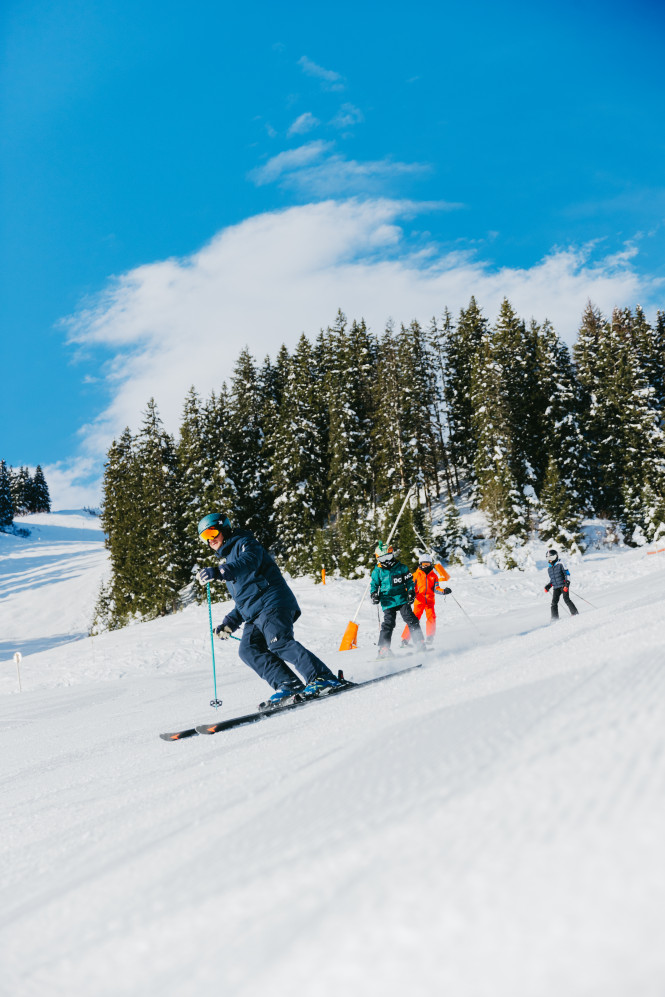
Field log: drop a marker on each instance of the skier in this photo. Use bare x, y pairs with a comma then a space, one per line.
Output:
392, 586
267, 607
559, 583
426, 581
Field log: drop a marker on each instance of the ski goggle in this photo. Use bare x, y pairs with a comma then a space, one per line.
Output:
386, 558
209, 534
426, 564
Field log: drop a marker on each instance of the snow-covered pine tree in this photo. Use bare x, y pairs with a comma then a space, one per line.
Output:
462, 342
514, 348
560, 511
41, 499
498, 491
117, 606
452, 541
198, 455
418, 404
298, 465
564, 491
350, 380
437, 337
6, 501
593, 361
160, 549
245, 466
21, 486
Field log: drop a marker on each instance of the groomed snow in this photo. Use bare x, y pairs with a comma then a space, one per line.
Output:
491, 824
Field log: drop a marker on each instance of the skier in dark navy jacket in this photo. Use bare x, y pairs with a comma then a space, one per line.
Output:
267, 607
559, 583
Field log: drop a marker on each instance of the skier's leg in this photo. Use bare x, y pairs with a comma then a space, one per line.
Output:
430, 629
571, 605
410, 617
277, 629
387, 627
418, 607
254, 652
556, 595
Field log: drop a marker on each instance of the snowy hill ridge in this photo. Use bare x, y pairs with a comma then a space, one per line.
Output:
492, 823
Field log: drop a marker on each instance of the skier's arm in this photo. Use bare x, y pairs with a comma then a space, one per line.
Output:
410, 587
248, 560
232, 620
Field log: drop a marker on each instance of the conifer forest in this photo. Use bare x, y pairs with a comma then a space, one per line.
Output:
21, 493
315, 449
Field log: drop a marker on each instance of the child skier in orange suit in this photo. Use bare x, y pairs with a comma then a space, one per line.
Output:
427, 586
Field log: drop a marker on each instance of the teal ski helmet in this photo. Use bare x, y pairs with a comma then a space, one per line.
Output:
214, 521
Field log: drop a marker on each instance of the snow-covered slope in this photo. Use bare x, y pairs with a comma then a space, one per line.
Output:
489, 825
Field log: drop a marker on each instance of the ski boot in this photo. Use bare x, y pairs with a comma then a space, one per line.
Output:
321, 687
384, 652
286, 694
404, 643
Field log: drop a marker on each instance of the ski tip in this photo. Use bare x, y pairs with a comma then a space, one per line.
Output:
178, 735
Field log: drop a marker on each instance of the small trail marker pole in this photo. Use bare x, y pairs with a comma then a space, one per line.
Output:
323, 576
17, 659
213, 702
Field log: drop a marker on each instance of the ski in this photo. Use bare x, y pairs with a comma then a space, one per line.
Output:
251, 718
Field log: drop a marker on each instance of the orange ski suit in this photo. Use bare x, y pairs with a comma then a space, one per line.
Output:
427, 583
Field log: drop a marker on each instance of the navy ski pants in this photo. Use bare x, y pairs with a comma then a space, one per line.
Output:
268, 642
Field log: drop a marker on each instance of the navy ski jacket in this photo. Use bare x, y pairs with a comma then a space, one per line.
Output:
254, 581
559, 576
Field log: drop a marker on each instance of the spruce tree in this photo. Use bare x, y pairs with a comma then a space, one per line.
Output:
350, 377
120, 495
298, 467
498, 490
21, 486
41, 499
166, 554
462, 342
245, 467
6, 501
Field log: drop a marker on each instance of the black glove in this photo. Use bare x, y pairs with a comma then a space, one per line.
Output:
548, 586
447, 591
375, 598
206, 575
223, 631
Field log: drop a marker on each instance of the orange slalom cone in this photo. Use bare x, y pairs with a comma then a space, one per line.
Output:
349, 638
441, 572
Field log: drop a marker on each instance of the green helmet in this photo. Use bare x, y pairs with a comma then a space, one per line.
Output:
384, 553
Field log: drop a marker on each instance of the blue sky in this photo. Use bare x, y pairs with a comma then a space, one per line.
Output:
176, 182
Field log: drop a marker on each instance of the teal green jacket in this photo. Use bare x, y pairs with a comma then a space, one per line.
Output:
395, 585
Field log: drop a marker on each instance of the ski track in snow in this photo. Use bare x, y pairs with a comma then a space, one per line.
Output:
491, 823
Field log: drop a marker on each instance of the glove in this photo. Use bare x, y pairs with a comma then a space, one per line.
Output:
446, 590
548, 586
207, 575
375, 598
565, 588
223, 631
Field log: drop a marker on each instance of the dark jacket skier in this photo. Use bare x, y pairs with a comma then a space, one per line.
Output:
559, 583
392, 586
267, 607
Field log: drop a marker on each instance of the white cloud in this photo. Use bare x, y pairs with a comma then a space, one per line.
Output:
315, 170
289, 161
339, 176
347, 116
74, 483
328, 77
264, 281
303, 124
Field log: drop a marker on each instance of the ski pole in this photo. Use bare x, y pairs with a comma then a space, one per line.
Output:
213, 702
474, 625
578, 596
